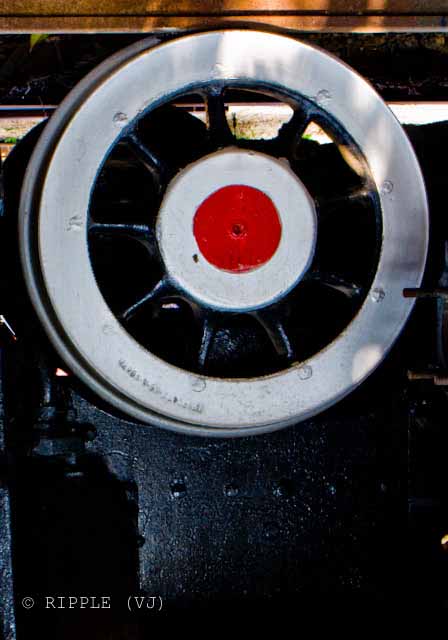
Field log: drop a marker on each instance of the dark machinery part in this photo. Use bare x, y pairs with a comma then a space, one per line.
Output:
91, 498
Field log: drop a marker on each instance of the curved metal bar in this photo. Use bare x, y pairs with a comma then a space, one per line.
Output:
162, 288
219, 130
150, 161
275, 330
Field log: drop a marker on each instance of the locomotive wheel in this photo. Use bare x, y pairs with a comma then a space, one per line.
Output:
230, 236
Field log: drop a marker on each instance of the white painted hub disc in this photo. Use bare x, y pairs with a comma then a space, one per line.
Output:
218, 287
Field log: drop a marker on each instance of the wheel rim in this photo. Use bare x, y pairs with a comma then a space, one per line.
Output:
95, 344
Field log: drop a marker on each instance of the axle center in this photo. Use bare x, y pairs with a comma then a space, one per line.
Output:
237, 228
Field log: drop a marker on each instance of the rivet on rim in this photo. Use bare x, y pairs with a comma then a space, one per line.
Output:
198, 384
323, 97
377, 294
305, 372
120, 119
387, 187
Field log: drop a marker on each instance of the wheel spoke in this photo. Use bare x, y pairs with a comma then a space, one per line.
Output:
150, 161
140, 232
275, 330
162, 288
291, 132
208, 334
327, 204
137, 231
219, 130
349, 289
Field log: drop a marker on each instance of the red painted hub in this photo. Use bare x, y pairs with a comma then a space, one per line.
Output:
237, 228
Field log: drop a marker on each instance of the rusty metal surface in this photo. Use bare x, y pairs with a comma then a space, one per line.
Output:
58, 16
219, 7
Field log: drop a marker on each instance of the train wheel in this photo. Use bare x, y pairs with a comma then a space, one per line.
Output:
214, 285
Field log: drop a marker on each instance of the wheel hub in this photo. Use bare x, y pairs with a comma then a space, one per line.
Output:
237, 229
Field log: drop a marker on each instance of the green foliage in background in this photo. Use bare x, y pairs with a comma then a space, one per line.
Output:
35, 38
